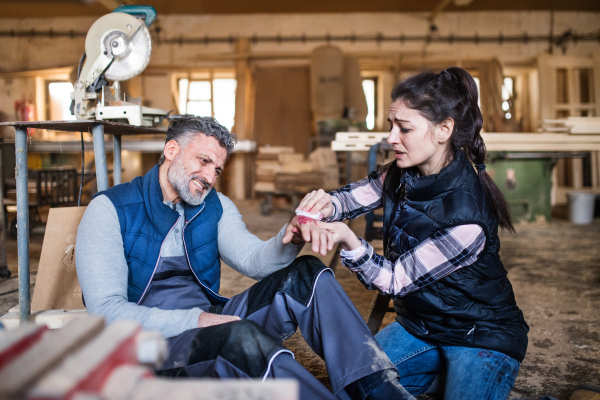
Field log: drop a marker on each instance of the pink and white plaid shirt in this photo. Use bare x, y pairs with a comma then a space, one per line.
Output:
444, 252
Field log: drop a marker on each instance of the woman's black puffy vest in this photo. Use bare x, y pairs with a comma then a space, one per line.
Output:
474, 306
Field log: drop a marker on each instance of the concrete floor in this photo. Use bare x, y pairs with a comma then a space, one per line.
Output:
554, 268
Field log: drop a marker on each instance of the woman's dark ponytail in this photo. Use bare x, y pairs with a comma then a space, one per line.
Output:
453, 94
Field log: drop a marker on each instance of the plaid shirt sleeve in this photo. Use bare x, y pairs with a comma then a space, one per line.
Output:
446, 251
358, 198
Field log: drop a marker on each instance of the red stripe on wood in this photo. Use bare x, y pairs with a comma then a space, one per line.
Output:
21, 346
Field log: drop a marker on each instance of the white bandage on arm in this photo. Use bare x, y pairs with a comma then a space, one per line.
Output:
318, 216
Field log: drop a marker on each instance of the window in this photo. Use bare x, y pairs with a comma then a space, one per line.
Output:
370, 88
209, 96
508, 96
574, 92
478, 84
59, 101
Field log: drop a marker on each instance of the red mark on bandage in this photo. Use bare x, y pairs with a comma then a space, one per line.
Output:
304, 220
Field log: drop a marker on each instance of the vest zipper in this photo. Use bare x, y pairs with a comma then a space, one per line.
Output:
188, 258
156, 265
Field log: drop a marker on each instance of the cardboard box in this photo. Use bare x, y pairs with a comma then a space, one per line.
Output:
57, 286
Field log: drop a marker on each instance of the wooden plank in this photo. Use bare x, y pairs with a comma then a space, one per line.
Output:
542, 138
15, 342
87, 369
85, 126
361, 136
351, 146
542, 146
54, 319
46, 354
214, 389
124, 381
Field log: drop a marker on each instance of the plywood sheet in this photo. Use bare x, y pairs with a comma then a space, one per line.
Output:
57, 286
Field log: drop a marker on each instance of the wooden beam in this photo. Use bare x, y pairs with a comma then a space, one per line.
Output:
237, 187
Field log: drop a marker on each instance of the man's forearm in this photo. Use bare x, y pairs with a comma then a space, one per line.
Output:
245, 252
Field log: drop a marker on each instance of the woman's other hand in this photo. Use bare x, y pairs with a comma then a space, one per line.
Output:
303, 229
317, 201
341, 233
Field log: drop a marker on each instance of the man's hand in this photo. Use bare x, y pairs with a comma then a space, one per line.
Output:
315, 201
208, 319
303, 229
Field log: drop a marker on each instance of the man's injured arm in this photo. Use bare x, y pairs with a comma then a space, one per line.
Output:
245, 252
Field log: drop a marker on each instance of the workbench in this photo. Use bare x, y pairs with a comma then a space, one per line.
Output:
523, 145
98, 130
506, 142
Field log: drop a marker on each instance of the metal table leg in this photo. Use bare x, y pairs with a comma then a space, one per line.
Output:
117, 159
22, 222
4, 271
371, 166
100, 156
348, 167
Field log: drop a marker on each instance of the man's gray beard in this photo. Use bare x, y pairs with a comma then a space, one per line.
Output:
180, 180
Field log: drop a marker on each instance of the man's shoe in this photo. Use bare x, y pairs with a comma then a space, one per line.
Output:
586, 392
381, 385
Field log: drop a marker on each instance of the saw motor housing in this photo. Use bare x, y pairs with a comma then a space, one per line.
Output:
118, 47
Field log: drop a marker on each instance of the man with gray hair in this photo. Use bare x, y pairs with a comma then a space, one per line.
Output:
150, 251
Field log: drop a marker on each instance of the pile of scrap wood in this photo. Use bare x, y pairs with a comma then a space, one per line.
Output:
281, 169
85, 360
325, 160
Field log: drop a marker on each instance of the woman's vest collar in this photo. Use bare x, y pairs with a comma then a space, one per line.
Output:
420, 188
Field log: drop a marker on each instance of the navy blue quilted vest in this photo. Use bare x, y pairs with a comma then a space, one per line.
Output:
474, 306
145, 223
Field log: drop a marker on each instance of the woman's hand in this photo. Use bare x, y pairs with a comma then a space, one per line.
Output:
303, 229
341, 234
315, 201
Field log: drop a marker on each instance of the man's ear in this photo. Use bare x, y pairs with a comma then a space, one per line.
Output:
444, 130
171, 150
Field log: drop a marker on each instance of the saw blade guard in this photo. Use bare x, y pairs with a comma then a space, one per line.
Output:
117, 45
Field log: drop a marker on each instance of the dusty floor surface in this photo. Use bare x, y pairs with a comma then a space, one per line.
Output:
554, 268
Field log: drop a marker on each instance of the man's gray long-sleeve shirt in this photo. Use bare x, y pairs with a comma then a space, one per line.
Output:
102, 268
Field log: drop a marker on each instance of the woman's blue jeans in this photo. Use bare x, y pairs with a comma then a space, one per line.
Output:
463, 373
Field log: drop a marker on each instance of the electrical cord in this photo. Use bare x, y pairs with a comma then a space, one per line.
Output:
81, 60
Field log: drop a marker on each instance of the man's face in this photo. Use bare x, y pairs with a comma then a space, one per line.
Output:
194, 171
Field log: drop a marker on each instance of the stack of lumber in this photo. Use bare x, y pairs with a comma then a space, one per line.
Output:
325, 160
298, 181
282, 169
573, 125
85, 360
267, 165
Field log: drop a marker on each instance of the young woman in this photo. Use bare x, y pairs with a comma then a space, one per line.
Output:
457, 318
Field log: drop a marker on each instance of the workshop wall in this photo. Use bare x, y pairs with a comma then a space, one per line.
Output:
44, 52
41, 52
390, 60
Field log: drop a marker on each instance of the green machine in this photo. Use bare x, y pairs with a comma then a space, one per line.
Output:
525, 180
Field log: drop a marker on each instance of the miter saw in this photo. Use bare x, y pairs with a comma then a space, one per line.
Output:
117, 47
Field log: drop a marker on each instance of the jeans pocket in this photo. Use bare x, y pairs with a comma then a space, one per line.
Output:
501, 382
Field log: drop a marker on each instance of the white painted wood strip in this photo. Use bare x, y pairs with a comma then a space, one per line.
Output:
47, 353
351, 146
494, 142
361, 136
79, 365
214, 389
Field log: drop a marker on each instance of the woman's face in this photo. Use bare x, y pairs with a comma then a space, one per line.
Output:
416, 141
